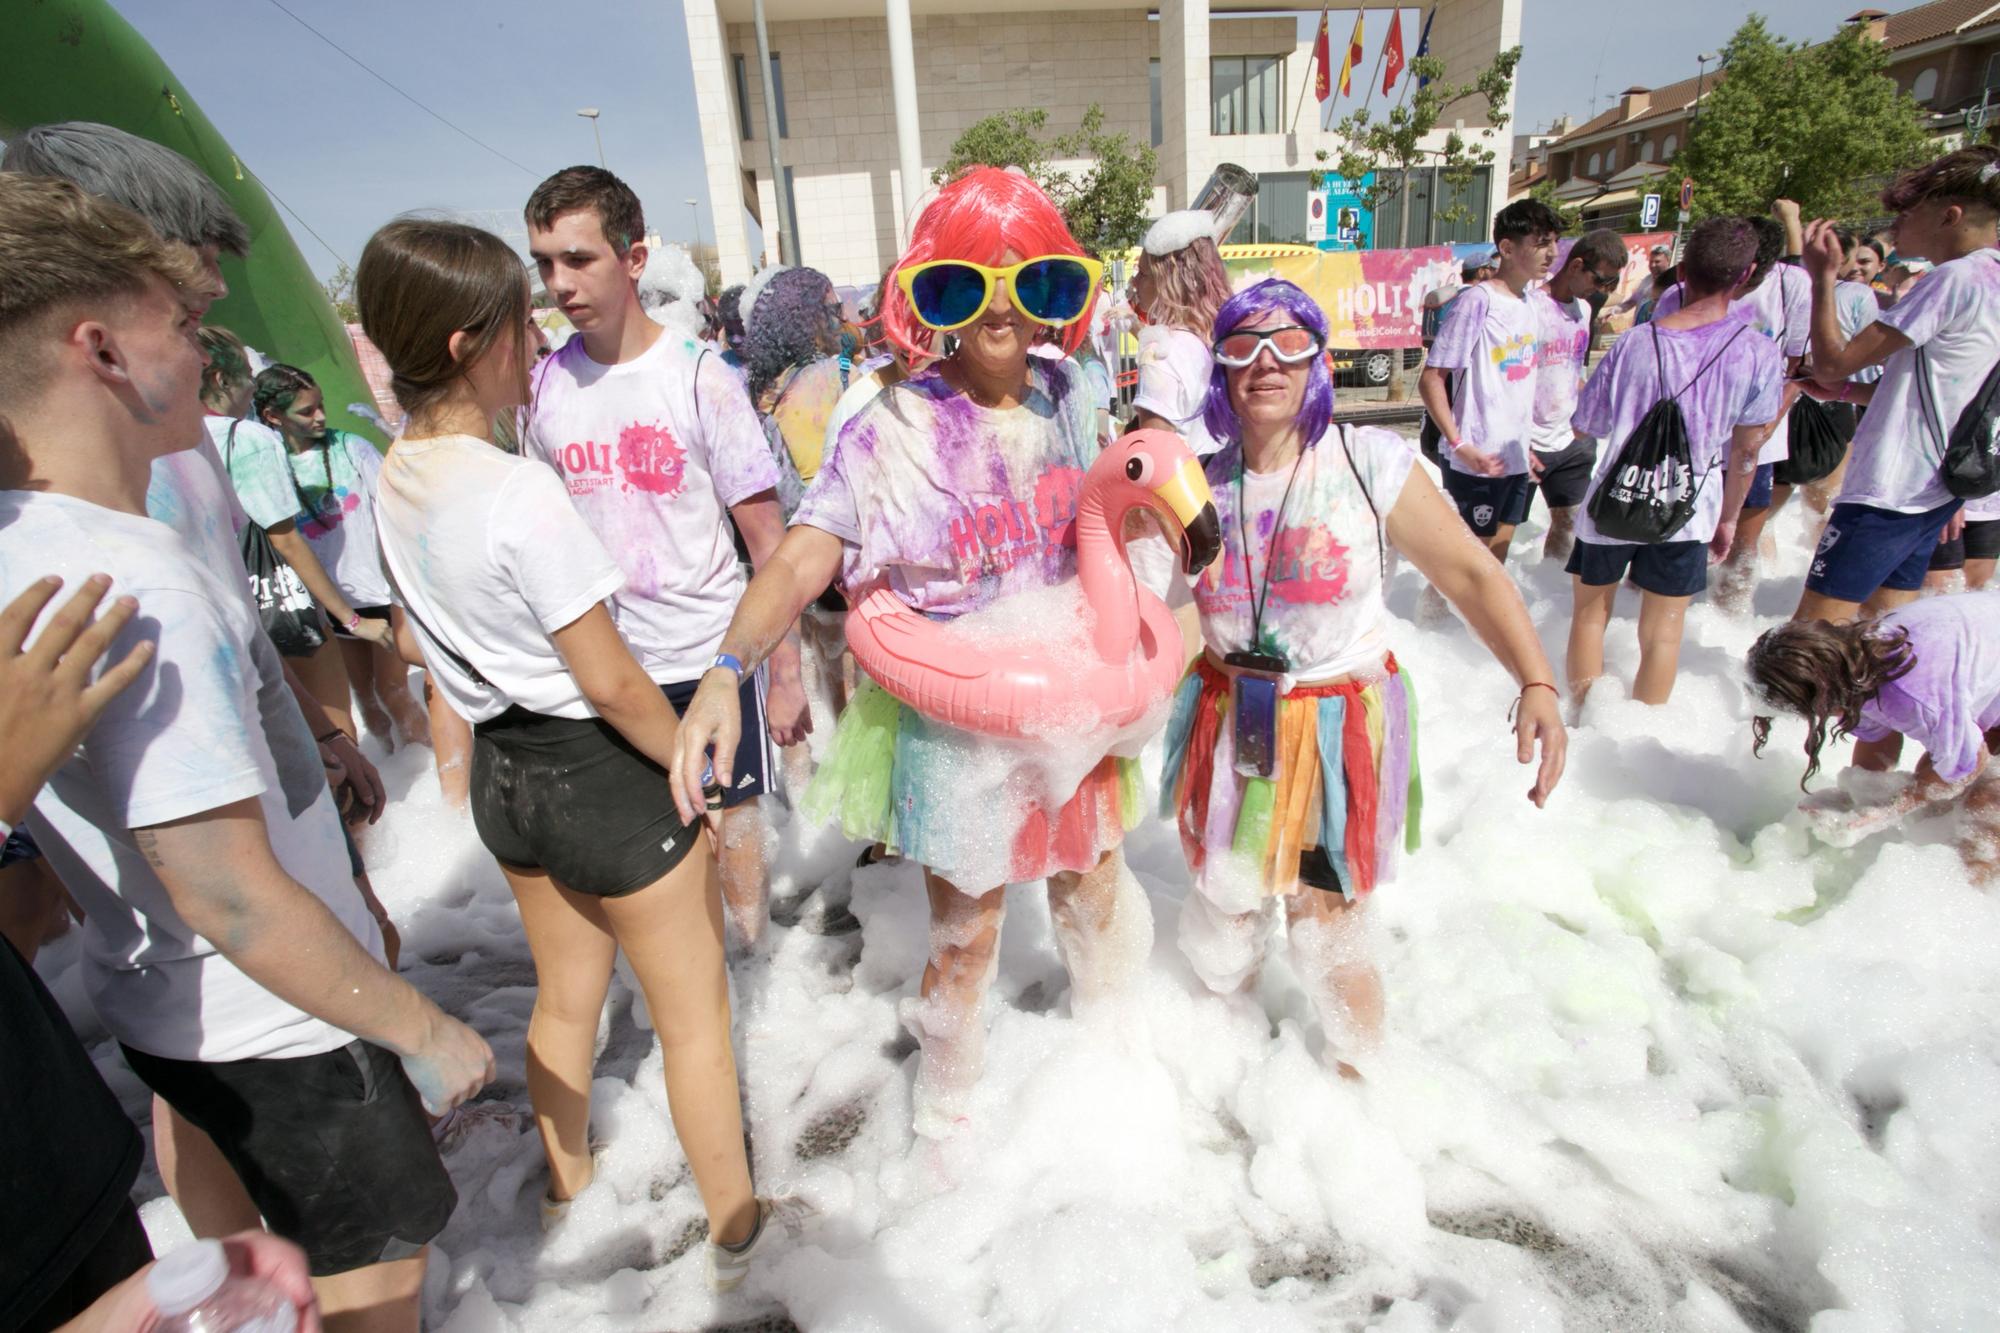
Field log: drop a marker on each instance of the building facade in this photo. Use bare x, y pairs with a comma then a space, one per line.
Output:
1945, 54
1201, 85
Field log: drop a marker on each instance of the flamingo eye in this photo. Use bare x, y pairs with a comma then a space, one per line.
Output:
1139, 468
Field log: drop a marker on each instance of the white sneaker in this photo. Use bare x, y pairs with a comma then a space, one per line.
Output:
728, 1265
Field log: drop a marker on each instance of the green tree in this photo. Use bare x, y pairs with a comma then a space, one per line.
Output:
1820, 124
1105, 202
1393, 147
340, 291
1545, 192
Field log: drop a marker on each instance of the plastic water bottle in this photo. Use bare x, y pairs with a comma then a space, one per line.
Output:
195, 1292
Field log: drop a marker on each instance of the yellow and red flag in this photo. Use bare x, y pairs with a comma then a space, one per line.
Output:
1353, 58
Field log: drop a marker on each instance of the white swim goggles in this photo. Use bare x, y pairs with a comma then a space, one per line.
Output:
1291, 344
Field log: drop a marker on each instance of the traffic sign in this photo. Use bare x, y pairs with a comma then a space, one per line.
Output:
1687, 193
1649, 213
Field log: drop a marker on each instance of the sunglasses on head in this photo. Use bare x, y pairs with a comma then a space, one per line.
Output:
1291, 344
1049, 289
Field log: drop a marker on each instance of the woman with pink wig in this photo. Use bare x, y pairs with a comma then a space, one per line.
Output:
954, 489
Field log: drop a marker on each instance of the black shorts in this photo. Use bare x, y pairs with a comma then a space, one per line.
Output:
751, 774
573, 797
1489, 503
334, 1148
19, 847
1980, 541
1566, 474
380, 613
1668, 569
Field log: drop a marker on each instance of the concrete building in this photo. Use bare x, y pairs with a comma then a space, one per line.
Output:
1945, 54
1200, 84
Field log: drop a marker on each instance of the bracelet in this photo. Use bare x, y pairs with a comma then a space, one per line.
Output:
1514, 708
322, 740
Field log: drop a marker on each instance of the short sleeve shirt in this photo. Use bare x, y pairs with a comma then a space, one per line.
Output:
1950, 697
1563, 343
1492, 337
952, 505
1175, 369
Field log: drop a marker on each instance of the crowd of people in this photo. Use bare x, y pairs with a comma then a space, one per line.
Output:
623, 567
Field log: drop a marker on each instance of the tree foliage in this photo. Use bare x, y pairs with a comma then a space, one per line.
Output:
1105, 201
1393, 146
1544, 191
340, 291
1820, 124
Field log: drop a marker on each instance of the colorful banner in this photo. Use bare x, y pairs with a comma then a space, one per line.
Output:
1372, 298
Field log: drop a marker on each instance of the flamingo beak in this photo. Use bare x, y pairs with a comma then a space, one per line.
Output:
1187, 495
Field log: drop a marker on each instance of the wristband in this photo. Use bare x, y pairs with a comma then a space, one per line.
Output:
352, 623
1533, 684
730, 661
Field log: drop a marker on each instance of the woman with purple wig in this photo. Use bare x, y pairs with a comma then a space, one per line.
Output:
1291, 755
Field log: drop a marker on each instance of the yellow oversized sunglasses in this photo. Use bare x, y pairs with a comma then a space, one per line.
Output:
948, 294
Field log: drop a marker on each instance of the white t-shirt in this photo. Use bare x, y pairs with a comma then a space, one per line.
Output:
1323, 612
1857, 306
860, 392
1724, 377
188, 491
1175, 367
1897, 452
655, 451
489, 555
208, 723
1564, 343
1491, 336
1780, 309
328, 490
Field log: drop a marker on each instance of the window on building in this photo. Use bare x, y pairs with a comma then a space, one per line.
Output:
1670, 147
743, 121
1245, 94
1428, 198
1153, 93
1646, 151
1924, 88
1596, 166
1611, 160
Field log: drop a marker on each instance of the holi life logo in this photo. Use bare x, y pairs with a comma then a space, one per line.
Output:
647, 458
994, 536
1515, 358
1309, 566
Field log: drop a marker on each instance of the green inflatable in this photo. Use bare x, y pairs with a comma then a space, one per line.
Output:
78, 60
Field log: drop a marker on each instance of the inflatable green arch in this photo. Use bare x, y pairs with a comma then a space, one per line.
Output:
79, 60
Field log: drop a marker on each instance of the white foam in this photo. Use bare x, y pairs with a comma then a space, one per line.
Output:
1655, 1058
671, 289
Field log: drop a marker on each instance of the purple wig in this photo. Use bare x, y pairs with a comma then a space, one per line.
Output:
1245, 307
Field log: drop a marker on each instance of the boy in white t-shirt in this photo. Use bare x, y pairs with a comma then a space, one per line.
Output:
1562, 460
661, 449
1937, 345
1479, 380
225, 945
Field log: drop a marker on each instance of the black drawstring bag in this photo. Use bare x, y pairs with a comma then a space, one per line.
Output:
284, 604
1817, 443
1650, 492
1970, 465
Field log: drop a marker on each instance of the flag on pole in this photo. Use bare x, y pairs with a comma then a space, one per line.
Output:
1353, 58
1392, 52
1424, 42
1322, 59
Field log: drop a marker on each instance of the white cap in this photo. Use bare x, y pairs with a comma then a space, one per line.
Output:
187, 1277
1177, 231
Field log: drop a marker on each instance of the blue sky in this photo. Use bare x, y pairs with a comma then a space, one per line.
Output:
348, 154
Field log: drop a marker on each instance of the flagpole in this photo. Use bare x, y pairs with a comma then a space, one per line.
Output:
1300, 105
1369, 95
1423, 49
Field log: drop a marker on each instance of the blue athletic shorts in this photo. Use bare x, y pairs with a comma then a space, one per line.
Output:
1864, 549
1760, 488
1488, 503
1670, 569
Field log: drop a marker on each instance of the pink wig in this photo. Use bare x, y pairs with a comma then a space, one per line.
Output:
978, 217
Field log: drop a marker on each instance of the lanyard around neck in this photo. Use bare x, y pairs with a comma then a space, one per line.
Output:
1259, 599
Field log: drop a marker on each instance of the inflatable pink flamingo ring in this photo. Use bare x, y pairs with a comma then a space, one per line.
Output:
1018, 689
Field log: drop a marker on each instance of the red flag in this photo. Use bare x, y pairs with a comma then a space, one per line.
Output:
1322, 57
1392, 53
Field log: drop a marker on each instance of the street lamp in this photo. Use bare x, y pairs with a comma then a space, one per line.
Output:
589, 113
1701, 78
694, 206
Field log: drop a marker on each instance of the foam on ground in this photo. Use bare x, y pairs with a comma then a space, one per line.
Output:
1656, 1058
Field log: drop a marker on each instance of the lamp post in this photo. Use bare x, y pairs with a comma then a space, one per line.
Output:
694, 207
589, 113
1701, 80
